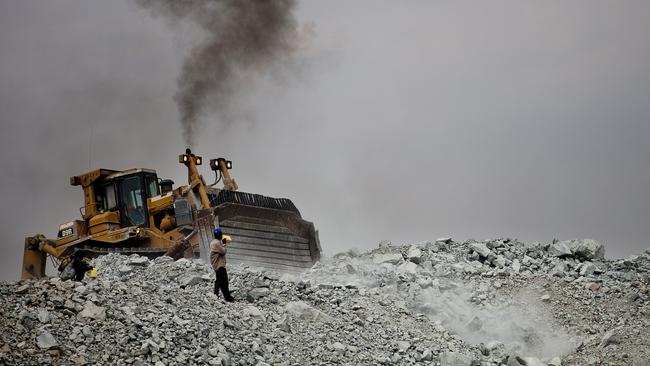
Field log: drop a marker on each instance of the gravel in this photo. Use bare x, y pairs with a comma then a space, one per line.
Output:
491, 302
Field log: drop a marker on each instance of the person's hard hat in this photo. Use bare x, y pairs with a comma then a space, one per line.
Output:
93, 273
217, 233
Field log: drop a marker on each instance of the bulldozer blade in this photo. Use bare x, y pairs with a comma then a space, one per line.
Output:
275, 238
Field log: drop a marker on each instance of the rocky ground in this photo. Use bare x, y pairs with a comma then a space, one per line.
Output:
440, 303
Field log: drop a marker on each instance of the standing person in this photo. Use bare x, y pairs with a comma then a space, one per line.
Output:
218, 261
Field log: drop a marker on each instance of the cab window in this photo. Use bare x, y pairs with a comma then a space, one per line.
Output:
132, 199
105, 197
152, 186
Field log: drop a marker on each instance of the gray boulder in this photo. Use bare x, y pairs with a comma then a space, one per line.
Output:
22, 289
92, 311
43, 315
252, 312
516, 266
481, 249
414, 254
454, 359
611, 337
560, 249
257, 293
46, 340
190, 280
559, 270
300, 310
124, 269
408, 267
138, 261
588, 249
402, 346
587, 269
499, 261
392, 258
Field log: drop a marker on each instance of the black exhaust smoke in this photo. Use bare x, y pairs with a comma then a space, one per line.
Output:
243, 38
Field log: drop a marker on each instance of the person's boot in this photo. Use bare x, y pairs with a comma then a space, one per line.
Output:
226, 293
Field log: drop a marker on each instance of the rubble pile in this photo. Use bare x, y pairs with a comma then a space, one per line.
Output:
493, 302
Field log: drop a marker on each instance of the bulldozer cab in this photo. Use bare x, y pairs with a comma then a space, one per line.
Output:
127, 192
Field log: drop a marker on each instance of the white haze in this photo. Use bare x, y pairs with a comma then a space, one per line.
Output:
520, 322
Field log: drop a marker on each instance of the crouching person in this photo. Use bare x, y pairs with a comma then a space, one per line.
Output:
74, 267
218, 261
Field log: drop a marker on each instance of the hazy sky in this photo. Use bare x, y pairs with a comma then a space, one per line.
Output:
406, 120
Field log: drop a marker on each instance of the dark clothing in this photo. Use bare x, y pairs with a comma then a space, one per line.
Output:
74, 267
221, 283
81, 266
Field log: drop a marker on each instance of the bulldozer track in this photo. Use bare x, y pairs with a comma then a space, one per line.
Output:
148, 252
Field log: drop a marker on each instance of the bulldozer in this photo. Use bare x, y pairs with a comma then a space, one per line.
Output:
134, 212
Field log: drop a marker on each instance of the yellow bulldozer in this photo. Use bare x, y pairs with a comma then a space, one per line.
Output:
133, 211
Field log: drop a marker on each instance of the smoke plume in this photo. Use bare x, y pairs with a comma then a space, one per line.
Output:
243, 38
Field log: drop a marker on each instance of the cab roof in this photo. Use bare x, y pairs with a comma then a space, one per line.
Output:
89, 178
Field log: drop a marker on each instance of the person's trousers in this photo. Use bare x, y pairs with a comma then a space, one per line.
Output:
221, 283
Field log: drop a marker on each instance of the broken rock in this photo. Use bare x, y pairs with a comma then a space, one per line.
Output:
516, 266
409, 267
22, 289
92, 311
559, 270
392, 258
588, 249
560, 249
253, 312
125, 269
611, 337
43, 315
257, 293
299, 309
454, 359
46, 340
189, 280
587, 269
481, 249
414, 254
138, 261
403, 346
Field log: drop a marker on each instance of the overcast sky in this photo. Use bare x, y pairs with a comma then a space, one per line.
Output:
406, 121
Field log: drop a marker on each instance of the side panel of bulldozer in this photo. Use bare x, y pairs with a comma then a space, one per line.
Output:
269, 238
